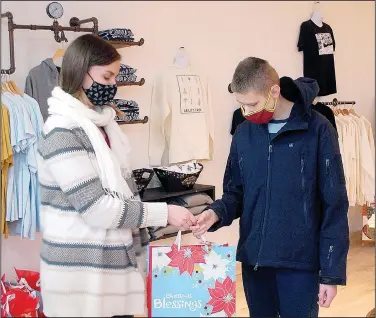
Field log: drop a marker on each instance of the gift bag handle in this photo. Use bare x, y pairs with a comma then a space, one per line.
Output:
178, 240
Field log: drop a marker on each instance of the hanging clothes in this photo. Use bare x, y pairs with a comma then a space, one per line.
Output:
181, 119
358, 155
22, 193
40, 82
6, 163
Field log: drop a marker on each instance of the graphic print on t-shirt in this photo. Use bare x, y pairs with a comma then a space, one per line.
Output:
190, 90
325, 43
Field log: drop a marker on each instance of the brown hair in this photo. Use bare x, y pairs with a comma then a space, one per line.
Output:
84, 52
255, 74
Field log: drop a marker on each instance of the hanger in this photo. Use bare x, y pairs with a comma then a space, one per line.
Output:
5, 85
59, 54
14, 88
352, 111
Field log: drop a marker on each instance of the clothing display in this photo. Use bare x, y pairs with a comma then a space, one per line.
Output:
40, 82
6, 163
126, 74
185, 168
356, 140
126, 78
268, 185
21, 197
318, 46
130, 109
112, 260
181, 120
118, 34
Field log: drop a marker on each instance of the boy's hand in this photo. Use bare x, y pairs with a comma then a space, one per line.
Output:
204, 222
326, 295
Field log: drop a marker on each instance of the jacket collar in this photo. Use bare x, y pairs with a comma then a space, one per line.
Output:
297, 121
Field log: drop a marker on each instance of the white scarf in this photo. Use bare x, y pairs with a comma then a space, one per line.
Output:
113, 163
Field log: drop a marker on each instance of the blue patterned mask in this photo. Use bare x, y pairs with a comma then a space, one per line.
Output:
100, 94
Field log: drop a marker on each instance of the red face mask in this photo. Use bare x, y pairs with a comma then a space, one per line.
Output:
263, 115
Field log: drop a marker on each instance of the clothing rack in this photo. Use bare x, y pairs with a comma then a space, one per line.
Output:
58, 30
336, 102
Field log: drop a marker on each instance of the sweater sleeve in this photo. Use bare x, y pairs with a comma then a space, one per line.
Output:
71, 166
159, 111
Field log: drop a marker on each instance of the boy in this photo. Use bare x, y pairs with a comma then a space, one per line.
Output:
284, 179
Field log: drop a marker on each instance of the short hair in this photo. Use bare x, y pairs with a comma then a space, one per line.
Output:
255, 74
84, 52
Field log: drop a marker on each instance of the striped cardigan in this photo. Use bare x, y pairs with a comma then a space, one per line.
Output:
93, 247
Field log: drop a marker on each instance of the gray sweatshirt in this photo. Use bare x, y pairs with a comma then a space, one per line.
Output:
40, 82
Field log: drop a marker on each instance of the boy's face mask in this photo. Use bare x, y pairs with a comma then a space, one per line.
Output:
262, 115
100, 94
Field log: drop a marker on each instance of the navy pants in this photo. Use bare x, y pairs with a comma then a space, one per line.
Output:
273, 292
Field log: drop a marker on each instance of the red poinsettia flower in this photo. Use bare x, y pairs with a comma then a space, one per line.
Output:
186, 258
174, 250
223, 297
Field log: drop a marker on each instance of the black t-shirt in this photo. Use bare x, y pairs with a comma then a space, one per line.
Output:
326, 112
318, 45
237, 119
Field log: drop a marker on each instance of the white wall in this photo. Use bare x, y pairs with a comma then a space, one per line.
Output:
217, 36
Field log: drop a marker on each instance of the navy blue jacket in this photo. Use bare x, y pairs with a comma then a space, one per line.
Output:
289, 193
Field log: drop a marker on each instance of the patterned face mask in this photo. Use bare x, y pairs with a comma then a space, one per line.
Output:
100, 94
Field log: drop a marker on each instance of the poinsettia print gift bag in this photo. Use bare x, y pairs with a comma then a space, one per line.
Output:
191, 281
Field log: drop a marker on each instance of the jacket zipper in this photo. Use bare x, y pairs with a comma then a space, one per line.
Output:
330, 255
327, 163
304, 189
266, 205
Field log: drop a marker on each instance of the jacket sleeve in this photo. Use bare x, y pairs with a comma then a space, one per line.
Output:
230, 206
334, 230
63, 155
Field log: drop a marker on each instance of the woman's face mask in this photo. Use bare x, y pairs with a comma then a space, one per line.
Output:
100, 94
262, 115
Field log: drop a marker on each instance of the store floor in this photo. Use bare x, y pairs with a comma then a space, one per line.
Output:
354, 300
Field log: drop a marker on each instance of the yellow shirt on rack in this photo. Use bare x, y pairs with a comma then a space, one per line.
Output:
6, 162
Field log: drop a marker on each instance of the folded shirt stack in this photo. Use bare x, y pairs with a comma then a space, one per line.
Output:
117, 34
130, 109
186, 168
126, 74
195, 203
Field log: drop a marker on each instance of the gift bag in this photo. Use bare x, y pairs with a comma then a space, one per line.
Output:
191, 281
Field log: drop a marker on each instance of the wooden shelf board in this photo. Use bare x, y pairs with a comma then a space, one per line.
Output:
123, 44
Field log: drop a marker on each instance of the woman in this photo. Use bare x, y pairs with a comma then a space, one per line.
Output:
94, 225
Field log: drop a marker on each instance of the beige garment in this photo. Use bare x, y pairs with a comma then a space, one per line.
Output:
367, 166
181, 120
350, 142
346, 146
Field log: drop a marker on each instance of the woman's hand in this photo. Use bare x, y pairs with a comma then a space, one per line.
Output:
180, 217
